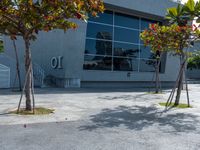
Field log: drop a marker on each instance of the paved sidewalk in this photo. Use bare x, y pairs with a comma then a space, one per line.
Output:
101, 119
78, 104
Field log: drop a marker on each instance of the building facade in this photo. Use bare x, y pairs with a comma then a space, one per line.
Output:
105, 51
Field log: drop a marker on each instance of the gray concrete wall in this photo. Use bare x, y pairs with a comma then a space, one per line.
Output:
144, 7
193, 74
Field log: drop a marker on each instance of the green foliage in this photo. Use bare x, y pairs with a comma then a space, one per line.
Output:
182, 14
194, 61
174, 15
190, 6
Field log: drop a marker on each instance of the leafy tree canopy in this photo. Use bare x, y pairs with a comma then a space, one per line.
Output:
27, 17
172, 38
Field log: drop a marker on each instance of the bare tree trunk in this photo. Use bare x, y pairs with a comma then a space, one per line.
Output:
180, 82
29, 76
157, 71
157, 76
17, 65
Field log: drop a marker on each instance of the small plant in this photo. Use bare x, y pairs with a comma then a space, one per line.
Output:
176, 106
194, 61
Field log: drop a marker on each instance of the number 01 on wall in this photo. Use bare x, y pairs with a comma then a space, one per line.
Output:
56, 62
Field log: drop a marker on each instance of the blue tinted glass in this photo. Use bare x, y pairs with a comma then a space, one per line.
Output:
147, 65
125, 64
145, 23
126, 50
145, 52
98, 47
99, 31
97, 63
126, 35
106, 17
126, 21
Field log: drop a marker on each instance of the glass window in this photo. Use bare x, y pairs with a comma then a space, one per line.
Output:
126, 50
145, 52
147, 65
125, 64
126, 21
97, 63
99, 47
106, 17
99, 31
123, 52
126, 35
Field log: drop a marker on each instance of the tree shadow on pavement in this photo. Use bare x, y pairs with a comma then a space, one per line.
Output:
140, 117
143, 96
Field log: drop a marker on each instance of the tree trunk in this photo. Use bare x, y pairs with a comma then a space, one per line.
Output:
157, 76
180, 82
28, 73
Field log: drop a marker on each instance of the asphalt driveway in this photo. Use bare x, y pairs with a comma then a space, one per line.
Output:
101, 119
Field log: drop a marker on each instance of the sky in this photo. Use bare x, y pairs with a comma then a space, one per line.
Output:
183, 1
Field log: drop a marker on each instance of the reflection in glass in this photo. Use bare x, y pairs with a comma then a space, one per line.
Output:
97, 63
126, 50
124, 64
147, 65
98, 47
126, 35
106, 17
99, 31
104, 35
126, 21
145, 52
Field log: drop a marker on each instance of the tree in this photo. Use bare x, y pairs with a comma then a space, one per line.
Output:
178, 38
26, 18
184, 15
180, 34
155, 61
